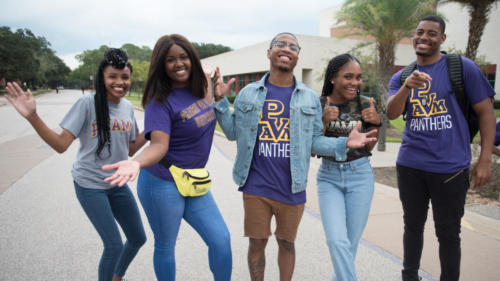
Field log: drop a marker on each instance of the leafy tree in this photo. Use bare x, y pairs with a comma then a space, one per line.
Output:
137, 53
387, 21
479, 11
28, 58
139, 75
208, 49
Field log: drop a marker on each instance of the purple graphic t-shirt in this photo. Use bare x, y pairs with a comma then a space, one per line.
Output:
269, 174
190, 123
436, 136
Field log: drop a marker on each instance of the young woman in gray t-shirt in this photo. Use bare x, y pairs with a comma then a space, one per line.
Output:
105, 125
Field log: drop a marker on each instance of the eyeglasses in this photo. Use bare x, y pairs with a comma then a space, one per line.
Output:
282, 44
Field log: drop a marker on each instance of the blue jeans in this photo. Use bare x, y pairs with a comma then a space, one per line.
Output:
104, 208
165, 208
345, 192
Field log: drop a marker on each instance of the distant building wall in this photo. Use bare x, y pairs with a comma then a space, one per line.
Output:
250, 63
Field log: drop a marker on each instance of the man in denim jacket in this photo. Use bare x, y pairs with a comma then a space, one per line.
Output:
277, 124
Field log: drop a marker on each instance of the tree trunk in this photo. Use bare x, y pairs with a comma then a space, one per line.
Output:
479, 12
385, 70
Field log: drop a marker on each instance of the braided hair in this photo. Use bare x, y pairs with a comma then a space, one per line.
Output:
117, 59
333, 68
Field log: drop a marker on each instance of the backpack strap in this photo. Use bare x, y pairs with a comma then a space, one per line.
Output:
455, 73
407, 71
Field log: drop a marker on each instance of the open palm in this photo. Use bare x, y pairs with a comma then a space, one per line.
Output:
221, 88
24, 104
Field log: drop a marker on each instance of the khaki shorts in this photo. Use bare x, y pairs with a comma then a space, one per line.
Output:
259, 211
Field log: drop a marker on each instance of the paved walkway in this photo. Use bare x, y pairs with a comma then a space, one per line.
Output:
46, 235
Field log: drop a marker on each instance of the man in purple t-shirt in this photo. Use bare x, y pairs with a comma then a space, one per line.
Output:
434, 158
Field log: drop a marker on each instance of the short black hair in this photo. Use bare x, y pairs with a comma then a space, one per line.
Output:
437, 19
279, 34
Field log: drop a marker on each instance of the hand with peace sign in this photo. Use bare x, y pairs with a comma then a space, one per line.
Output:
370, 115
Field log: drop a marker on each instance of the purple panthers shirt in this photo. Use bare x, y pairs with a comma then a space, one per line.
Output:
269, 174
436, 136
190, 123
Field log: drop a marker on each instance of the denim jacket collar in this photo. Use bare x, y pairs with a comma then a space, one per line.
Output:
298, 86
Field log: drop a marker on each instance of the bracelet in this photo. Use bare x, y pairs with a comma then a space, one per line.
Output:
406, 83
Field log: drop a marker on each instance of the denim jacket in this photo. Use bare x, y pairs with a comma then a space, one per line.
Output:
305, 130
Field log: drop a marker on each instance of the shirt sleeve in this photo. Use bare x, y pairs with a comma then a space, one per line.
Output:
157, 116
477, 87
73, 121
135, 128
394, 84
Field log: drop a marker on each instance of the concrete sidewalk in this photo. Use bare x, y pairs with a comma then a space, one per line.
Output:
45, 234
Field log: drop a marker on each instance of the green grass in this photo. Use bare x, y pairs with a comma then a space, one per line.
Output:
399, 124
135, 98
395, 140
218, 128
497, 113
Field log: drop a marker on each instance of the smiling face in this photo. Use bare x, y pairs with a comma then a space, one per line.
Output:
116, 82
178, 66
347, 82
427, 39
281, 55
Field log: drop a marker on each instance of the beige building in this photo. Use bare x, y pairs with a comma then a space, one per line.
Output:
250, 63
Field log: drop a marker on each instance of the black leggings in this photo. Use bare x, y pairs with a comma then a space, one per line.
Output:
447, 194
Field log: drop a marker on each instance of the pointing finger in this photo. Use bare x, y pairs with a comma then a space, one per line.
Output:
371, 103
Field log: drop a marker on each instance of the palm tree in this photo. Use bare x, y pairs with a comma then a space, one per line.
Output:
479, 11
387, 21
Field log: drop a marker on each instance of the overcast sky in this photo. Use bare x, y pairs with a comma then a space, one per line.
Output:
74, 26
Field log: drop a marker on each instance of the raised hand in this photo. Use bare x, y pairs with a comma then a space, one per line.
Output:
357, 139
126, 171
221, 88
417, 79
24, 104
208, 71
370, 114
330, 113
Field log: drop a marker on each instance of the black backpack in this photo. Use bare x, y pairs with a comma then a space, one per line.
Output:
455, 72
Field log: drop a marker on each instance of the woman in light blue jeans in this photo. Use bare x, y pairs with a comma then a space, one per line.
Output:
159, 197
345, 188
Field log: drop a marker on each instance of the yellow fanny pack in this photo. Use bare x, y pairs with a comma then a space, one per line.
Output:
189, 182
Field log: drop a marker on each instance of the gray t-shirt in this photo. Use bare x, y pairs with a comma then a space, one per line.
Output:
81, 122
